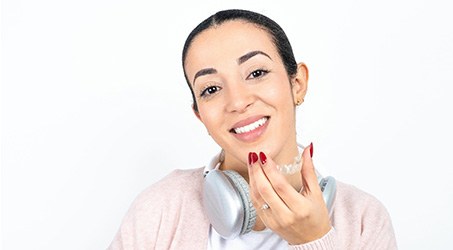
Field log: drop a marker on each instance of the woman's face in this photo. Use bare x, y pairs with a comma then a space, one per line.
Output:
243, 93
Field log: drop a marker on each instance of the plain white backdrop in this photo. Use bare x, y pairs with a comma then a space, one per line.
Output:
95, 109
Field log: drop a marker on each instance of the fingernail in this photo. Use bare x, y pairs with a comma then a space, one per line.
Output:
253, 157
263, 158
311, 150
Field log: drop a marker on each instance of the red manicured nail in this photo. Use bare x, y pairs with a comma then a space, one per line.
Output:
263, 158
253, 157
311, 150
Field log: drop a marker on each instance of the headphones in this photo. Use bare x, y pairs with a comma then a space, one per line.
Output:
227, 202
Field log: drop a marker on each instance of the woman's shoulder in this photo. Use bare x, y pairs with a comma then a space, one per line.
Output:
160, 209
357, 208
361, 219
351, 196
180, 178
179, 184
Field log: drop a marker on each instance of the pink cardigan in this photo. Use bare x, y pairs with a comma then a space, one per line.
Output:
169, 215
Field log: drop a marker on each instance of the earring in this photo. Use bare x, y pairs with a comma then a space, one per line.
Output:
299, 102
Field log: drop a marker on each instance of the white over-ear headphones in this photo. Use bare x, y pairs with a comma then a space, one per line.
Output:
227, 201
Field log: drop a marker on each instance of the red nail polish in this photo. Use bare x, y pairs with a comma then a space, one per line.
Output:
311, 150
253, 157
263, 158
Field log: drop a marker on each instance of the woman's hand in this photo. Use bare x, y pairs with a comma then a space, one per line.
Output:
297, 217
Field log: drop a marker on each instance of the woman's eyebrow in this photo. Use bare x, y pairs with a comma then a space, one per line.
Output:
203, 72
240, 60
251, 54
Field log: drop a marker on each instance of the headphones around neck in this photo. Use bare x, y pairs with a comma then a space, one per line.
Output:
227, 201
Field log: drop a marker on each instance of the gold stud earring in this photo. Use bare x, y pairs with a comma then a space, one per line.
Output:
299, 102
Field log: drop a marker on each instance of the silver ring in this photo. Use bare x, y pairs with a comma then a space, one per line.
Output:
265, 206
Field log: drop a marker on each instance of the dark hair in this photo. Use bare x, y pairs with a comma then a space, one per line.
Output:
278, 36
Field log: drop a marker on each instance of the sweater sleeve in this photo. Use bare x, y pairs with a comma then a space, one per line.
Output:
327, 242
377, 230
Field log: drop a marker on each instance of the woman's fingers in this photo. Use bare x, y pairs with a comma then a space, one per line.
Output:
261, 189
271, 186
309, 178
280, 185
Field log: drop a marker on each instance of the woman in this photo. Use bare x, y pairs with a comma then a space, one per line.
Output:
246, 84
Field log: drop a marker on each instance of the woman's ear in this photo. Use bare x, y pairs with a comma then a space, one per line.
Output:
299, 83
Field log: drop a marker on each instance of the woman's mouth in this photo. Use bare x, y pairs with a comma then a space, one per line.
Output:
251, 126
251, 129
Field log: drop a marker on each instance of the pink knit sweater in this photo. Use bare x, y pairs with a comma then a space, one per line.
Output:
169, 215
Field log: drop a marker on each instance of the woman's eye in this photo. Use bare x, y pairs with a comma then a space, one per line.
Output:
257, 73
209, 91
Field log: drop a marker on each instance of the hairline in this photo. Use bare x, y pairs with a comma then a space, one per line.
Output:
216, 24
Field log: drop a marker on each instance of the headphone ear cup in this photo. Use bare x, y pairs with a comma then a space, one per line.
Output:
243, 189
328, 187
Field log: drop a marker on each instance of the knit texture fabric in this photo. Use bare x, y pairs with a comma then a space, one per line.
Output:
169, 215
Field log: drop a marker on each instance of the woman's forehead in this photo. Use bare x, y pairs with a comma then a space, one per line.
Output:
231, 39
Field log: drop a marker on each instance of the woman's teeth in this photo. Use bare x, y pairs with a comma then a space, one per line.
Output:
250, 127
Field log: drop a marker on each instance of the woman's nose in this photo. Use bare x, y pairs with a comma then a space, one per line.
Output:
239, 98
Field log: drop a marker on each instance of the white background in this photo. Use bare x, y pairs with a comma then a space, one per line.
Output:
95, 108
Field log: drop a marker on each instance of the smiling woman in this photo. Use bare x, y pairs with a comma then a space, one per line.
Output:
246, 86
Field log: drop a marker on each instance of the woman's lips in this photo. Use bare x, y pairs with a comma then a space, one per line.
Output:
251, 126
250, 129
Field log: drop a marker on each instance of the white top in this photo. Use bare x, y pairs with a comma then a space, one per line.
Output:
262, 240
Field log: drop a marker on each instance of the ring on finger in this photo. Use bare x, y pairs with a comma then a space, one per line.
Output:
265, 206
